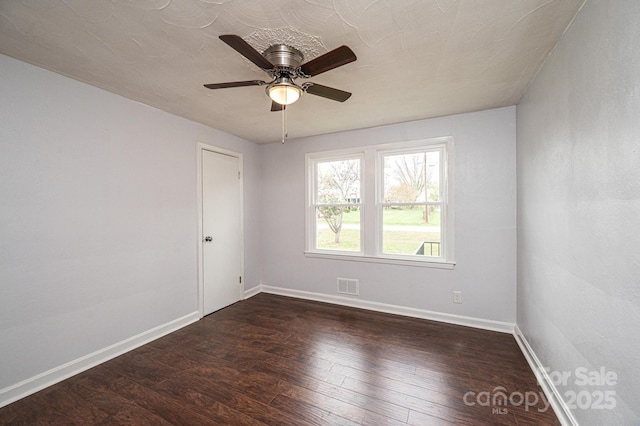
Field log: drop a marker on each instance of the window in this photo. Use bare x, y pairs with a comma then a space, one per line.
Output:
411, 203
383, 203
336, 206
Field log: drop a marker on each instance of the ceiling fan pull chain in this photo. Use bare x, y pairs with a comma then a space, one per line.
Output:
284, 123
284, 64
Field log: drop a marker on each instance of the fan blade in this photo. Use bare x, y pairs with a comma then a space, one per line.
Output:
330, 60
328, 92
245, 49
277, 107
235, 84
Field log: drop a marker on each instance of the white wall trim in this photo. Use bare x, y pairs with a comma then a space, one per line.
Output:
551, 392
380, 259
57, 374
252, 292
371, 166
503, 327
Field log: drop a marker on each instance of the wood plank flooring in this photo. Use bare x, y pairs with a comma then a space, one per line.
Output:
273, 360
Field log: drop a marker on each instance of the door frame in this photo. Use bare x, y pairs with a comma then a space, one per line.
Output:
200, 147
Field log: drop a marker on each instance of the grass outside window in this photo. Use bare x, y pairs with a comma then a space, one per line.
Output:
396, 241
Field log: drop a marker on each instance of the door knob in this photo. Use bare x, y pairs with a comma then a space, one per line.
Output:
208, 239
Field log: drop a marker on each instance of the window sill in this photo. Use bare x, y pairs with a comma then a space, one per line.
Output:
387, 260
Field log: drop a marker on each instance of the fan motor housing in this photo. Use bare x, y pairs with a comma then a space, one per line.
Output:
284, 56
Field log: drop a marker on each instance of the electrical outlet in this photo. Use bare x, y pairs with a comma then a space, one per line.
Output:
457, 297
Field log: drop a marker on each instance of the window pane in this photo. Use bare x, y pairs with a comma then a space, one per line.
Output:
433, 176
338, 182
410, 178
411, 230
338, 228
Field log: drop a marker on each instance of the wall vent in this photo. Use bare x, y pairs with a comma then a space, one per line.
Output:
348, 286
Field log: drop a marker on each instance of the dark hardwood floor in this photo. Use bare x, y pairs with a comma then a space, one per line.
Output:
281, 361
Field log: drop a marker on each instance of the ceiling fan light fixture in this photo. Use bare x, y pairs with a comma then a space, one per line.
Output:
284, 91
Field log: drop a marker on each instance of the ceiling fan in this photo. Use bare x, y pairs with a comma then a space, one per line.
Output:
284, 64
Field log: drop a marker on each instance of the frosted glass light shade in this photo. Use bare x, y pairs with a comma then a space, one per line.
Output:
284, 94
284, 90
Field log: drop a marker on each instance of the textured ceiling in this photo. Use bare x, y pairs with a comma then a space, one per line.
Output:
416, 58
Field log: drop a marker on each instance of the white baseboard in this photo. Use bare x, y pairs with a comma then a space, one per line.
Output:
503, 327
62, 372
252, 291
551, 392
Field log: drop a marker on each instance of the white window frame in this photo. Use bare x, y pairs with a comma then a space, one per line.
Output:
312, 204
371, 194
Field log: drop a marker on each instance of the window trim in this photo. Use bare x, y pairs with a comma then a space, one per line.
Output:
371, 191
311, 204
441, 147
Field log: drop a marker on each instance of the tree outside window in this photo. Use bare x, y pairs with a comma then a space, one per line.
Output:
411, 203
337, 194
408, 207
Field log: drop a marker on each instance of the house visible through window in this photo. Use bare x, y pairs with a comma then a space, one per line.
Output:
382, 203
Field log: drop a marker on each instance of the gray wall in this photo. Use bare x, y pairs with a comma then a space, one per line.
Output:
485, 220
578, 162
98, 219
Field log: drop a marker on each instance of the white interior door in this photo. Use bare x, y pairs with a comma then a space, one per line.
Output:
222, 231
